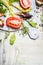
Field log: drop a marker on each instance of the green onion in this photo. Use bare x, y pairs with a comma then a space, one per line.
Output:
32, 23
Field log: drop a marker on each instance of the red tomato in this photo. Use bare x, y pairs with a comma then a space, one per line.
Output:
14, 22
25, 4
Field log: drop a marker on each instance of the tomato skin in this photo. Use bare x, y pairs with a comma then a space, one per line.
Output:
9, 24
23, 4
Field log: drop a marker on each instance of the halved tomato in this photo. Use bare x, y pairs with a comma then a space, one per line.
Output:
14, 22
25, 4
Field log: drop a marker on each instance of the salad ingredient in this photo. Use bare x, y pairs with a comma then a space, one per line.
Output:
21, 9
1, 23
25, 15
32, 23
25, 4
2, 9
39, 2
24, 29
6, 4
33, 34
11, 1
14, 22
12, 39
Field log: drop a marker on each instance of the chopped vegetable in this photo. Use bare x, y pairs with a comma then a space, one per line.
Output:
24, 29
32, 23
14, 22
1, 23
25, 4
12, 39
25, 15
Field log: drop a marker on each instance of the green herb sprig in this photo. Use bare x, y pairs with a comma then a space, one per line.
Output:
25, 30
2, 8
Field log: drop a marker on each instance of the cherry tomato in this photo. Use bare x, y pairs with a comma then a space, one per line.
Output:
25, 4
14, 22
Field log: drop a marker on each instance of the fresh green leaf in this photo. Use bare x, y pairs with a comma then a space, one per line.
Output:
12, 39
24, 29
2, 8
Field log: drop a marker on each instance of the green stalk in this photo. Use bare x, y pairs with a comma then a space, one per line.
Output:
31, 23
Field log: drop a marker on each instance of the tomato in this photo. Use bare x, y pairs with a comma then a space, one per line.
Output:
14, 22
1, 14
25, 4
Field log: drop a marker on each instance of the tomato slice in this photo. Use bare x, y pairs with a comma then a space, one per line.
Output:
25, 4
14, 22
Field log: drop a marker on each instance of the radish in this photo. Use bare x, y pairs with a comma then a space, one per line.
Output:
25, 4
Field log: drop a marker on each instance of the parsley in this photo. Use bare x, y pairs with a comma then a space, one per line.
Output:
24, 29
2, 8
